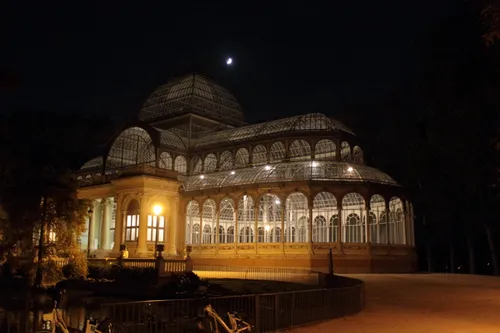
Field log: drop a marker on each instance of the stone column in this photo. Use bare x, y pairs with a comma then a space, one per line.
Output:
92, 225
107, 206
142, 246
236, 231
282, 212
173, 224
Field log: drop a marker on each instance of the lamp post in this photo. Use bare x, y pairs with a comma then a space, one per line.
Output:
157, 209
90, 211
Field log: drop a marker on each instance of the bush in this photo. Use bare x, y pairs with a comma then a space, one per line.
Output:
52, 273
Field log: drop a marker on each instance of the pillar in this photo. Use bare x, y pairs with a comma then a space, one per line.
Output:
282, 212
309, 223
339, 228
236, 215
387, 226
107, 207
92, 225
142, 247
367, 224
172, 226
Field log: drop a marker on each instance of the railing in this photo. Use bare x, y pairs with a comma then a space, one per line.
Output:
268, 312
257, 273
166, 266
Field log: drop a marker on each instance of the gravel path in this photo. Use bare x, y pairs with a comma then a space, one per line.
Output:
422, 303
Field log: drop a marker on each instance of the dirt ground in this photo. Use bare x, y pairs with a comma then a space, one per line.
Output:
423, 303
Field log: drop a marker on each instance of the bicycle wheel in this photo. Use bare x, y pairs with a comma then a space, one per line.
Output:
111, 326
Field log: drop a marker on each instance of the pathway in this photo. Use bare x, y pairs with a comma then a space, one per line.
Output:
422, 303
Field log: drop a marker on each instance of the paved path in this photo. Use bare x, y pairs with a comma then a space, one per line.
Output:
423, 303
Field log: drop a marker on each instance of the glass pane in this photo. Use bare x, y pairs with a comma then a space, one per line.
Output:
149, 234
155, 218
150, 222
162, 221
129, 220
127, 237
161, 235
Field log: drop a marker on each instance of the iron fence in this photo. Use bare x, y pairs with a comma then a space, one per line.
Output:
267, 312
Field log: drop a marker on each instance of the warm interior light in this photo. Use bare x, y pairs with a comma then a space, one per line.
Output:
267, 167
349, 169
314, 164
277, 201
233, 172
267, 228
202, 176
157, 209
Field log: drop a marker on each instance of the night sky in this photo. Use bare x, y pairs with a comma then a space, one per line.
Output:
303, 57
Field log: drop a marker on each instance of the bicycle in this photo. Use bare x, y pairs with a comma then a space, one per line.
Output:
56, 320
212, 321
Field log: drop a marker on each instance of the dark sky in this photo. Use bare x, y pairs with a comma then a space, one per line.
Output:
301, 57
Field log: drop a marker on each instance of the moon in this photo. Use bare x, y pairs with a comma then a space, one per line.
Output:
229, 61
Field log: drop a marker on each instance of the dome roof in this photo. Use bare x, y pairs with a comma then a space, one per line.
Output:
193, 94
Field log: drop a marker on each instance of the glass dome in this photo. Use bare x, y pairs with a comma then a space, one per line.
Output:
193, 94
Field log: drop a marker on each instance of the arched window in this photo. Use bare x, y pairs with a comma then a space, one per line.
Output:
396, 226
196, 165
325, 150
226, 216
246, 235
259, 155
357, 155
353, 207
302, 225
226, 161
319, 229
222, 235
207, 235
241, 159
345, 152
132, 222
277, 152
133, 146
290, 235
269, 216
300, 150
210, 163
324, 205
276, 235
377, 230
165, 161
180, 164
246, 219
192, 221
230, 235
295, 207
333, 228
209, 221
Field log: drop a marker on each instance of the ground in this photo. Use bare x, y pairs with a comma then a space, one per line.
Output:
422, 303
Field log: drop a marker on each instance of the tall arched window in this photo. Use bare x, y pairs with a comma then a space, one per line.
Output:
269, 216
259, 155
299, 150
226, 217
325, 150
246, 219
345, 151
210, 163
376, 221
277, 152
241, 159
133, 146
209, 221
353, 208
132, 222
193, 223
180, 164
226, 161
165, 161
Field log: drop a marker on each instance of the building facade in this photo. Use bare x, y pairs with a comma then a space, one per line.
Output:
277, 194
